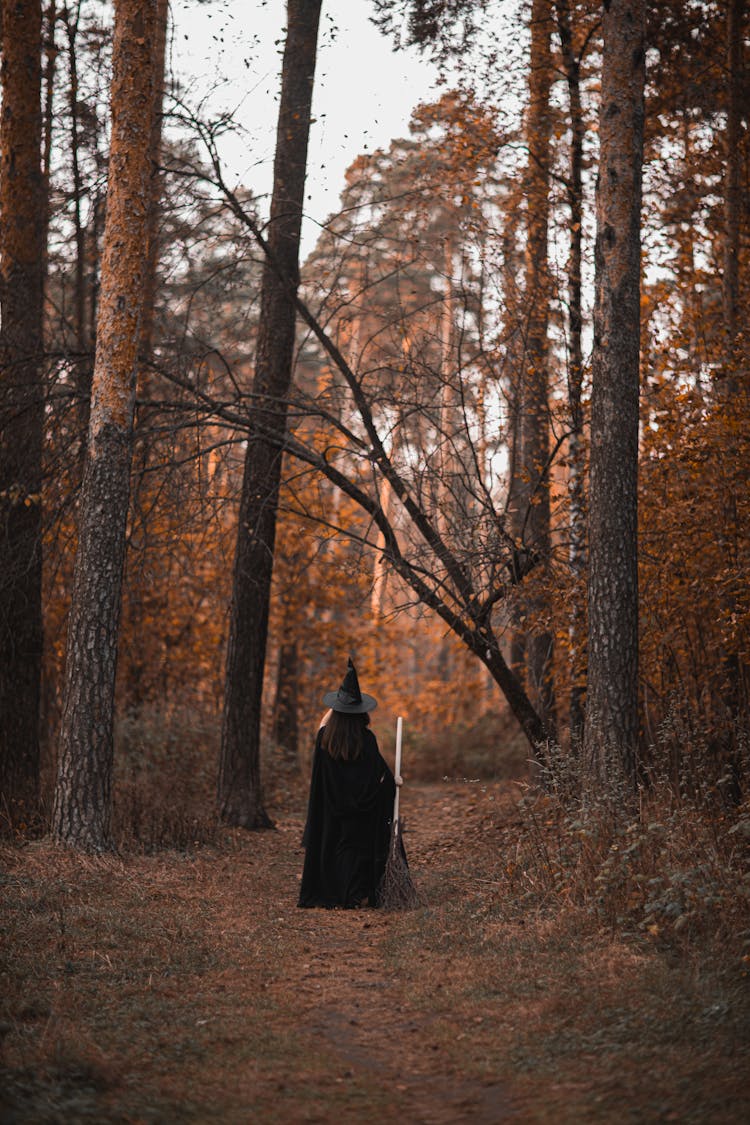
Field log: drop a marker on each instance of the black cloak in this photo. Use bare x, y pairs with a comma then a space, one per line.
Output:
348, 827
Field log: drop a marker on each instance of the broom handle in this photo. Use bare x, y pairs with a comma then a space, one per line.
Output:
399, 734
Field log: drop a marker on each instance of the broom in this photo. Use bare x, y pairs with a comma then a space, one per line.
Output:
396, 890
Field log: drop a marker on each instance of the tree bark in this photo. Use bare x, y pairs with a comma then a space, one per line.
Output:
71, 20
514, 352
535, 419
611, 735
50, 60
145, 487
83, 804
82, 344
733, 187
22, 255
155, 193
576, 450
240, 797
380, 566
735, 356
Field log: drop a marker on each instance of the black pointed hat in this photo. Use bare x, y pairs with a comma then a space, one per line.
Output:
349, 700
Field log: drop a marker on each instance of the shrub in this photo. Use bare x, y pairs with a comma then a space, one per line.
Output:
165, 769
677, 868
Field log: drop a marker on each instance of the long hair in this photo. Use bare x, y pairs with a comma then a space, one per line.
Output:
344, 735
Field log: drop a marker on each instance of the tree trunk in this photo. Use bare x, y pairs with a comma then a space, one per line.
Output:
733, 188
83, 343
445, 515
145, 486
576, 450
535, 399
83, 804
285, 722
488, 651
611, 735
735, 356
50, 61
514, 351
71, 20
239, 787
155, 193
22, 254
380, 565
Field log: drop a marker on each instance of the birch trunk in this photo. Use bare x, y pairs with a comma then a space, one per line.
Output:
83, 802
22, 255
611, 734
240, 796
535, 404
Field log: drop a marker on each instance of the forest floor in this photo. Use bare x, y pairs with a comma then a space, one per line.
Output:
189, 987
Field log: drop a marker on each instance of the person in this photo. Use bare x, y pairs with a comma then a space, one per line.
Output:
350, 806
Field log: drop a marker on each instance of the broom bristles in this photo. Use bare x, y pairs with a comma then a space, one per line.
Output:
397, 892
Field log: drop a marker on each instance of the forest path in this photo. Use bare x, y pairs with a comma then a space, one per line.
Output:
352, 995
185, 987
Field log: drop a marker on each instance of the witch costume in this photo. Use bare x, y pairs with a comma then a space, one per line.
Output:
349, 814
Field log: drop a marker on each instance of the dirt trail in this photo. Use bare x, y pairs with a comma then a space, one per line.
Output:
356, 1006
190, 988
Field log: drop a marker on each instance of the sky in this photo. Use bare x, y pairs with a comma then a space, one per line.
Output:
226, 54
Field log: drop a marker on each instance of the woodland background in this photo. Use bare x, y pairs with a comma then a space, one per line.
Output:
434, 419
490, 438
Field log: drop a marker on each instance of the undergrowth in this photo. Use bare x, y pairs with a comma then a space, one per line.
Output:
165, 771
493, 748
166, 764
676, 867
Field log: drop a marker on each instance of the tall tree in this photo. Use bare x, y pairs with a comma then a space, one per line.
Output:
533, 488
83, 804
731, 290
82, 321
154, 154
239, 787
71, 17
22, 256
611, 733
733, 193
514, 359
571, 59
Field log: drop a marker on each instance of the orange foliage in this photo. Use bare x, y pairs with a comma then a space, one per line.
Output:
695, 552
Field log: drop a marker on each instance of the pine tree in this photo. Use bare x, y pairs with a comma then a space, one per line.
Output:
611, 732
83, 796
22, 257
239, 789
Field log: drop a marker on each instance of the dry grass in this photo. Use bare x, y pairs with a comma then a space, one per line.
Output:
610, 959
187, 986
154, 987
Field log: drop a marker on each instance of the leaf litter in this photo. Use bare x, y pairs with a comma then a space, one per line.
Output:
189, 986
